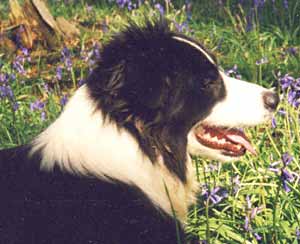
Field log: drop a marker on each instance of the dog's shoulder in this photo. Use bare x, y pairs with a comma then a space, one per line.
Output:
65, 208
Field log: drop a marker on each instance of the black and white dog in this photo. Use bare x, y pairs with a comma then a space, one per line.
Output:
115, 167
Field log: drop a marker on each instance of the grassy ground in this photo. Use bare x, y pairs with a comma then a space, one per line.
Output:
256, 200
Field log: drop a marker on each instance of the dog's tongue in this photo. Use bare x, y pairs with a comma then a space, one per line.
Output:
241, 139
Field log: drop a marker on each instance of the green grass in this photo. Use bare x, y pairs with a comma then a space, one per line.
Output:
223, 29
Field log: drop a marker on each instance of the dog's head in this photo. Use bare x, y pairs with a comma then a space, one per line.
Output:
169, 93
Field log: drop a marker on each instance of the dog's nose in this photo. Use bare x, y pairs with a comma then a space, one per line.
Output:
271, 100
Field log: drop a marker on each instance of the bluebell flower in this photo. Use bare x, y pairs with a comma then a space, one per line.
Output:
282, 112
286, 81
4, 78
215, 195
15, 106
18, 65
273, 167
68, 64
160, 8
250, 20
274, 123
285, 176
236, 183
247, 223
63, 100
59, 73
248, 201
46, 87
37, 105
26, 53
286, 159
263, 60
189, 6
6, 92
43, 115
89, 8
181, 27
65, 52
297, 233
257, 236
292, 50
81, 82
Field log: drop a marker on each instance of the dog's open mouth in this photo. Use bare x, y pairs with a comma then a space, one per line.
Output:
230, 141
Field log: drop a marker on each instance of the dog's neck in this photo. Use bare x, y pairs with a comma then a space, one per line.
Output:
81, 142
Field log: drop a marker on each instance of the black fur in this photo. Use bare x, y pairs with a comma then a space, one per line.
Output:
157, 88
59, 208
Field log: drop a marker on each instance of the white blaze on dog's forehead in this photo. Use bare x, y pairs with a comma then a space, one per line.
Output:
195, 45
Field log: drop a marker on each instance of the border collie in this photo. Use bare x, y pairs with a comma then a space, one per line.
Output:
115, 167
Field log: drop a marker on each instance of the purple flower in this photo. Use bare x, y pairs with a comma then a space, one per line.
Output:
26, 53
285, 177
236, 183
46, 87
89, 8
292, 50
286, 81
68, 64
63, 100
189, 6
255, 211
233, 72
12, 76
4, 78
273, 168
6, 92
43, 115
250, 20
160, 8
213, 167
263, 60
96, 50
81, 82
291, 96
257, 236
121, 3
282, 112
286, 159
181, 27
65, 52
124, 3
37, 105
66, 58
286, 4
247, 223
15, 106
18, 65
249, 204
216, 195
298, 233
59, 73
274, 124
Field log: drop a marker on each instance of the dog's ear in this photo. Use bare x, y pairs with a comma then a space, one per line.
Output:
156, 94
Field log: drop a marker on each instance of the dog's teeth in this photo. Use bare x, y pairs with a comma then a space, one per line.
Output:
215, 139
207, 136
223, 141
